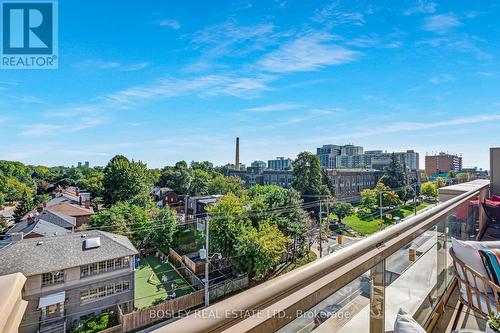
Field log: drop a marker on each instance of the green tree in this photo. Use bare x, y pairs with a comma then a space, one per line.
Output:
14, 188
93, 184
462, 177
224, 185
259, 250
165, 228
307, 175
394, 178
203, 166
371, 197
24, 206
440, 182
178, 177
341, 209
123, 180
201, 180
429, 189
279, 206
2, 200
452, 174
125, 219
423, 177
228, 220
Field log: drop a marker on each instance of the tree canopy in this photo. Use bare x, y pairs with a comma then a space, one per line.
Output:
307, 174
124, 180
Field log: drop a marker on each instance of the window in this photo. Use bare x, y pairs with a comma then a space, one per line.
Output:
104, 291
104, 266
51, 278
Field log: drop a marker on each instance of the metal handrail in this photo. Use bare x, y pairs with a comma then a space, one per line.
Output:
326, 270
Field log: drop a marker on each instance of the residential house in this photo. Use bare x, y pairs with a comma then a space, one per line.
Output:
164, 196
43, 223
70, 277
196, 206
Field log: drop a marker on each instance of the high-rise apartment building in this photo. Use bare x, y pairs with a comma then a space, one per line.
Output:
280, 163
327, 155
442, 163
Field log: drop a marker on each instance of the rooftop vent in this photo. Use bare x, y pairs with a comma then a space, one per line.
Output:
91, 243
39, 243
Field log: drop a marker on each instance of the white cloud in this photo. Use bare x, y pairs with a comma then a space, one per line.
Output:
100, 64
307, 53
334, 15
274, 107
230, 39
135, 67
421, 7
34, 130
441, 78
442, 23
410, 126
174, 24
40, 129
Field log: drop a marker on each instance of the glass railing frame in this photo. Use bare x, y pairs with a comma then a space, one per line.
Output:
313, 282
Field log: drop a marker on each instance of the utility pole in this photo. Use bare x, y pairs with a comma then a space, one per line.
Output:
380, 205
320, 230
207, 262
415, 201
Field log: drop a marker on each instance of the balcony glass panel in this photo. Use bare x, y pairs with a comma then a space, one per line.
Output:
346, 311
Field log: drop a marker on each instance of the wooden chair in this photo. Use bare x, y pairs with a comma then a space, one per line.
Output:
483, 303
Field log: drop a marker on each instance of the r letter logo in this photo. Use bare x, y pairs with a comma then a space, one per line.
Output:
29, 35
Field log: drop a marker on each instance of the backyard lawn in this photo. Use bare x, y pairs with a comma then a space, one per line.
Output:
148, 287
367, 227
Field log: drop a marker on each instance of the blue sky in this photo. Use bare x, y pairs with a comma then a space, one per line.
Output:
161, 81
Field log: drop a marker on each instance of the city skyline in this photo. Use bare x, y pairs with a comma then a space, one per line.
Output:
284, 76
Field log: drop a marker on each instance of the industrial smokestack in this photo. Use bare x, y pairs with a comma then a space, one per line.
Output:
237, 161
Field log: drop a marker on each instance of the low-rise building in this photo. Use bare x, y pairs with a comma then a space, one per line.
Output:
347, 184
258, 176
70, 277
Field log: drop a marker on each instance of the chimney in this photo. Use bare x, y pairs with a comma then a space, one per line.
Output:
31, 219
237, 161
44, 204
39, 208
87, 204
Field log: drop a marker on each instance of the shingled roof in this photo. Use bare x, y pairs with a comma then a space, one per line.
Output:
47, 254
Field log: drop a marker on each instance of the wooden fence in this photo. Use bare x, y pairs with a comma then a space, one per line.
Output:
163, 311
228, 287
196, 267
178, 262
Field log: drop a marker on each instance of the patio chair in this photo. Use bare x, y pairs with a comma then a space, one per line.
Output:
484, 300
492, 212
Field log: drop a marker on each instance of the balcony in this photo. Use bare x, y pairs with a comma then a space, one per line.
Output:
361, 287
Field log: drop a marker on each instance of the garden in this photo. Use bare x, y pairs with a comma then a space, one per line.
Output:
368, 223
157, 281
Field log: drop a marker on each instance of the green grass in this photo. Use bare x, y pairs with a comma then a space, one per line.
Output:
368, 227
149, 292
361, 226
